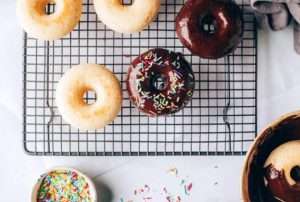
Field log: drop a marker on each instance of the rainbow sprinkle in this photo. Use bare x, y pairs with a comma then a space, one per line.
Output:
64, 186
148, 193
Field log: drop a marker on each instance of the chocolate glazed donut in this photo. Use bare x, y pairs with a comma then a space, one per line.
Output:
160, 82
279, 185
210, 28
282, 172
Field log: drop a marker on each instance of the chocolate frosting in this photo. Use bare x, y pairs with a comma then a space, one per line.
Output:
279, 186
176, 76
226, 18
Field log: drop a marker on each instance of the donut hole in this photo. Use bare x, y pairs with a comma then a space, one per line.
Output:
50, 7
159, 82
89, 97
208, 24
295, 173
127, 2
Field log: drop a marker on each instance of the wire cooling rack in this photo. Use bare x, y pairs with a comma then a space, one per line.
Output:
220, 120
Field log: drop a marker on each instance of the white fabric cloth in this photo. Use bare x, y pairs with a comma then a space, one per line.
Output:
277, 15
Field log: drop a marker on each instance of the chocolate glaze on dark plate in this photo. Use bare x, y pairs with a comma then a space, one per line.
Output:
160, 82
286, 130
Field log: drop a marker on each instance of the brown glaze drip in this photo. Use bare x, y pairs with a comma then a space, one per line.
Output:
178, 82
279, 186
287, 130
226, 18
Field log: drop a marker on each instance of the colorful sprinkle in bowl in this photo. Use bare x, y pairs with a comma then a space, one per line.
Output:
64, 185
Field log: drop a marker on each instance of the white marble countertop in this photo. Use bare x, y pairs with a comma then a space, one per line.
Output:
214, 178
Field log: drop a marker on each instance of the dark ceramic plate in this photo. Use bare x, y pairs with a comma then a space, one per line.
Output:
285, 129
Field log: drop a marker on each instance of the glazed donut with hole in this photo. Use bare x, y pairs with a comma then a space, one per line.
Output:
210, 28
76, 83
160, 82
127, 18
36, 21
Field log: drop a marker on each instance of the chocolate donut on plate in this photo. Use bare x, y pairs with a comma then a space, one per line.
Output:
160, 82
210, 28
282, 172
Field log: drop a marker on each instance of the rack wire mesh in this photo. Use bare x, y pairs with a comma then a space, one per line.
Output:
220, 120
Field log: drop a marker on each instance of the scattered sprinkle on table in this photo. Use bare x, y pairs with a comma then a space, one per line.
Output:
147, 193
64, 186
173, 171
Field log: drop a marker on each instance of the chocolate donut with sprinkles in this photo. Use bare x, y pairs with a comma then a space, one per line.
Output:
160, 82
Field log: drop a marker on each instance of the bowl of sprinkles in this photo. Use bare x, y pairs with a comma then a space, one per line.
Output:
64, 185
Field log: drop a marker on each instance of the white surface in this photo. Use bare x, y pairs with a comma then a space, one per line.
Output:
215, 178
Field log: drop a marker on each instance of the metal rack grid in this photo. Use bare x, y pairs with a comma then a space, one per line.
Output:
220, 120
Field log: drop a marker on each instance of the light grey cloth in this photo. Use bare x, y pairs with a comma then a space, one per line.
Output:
277, 14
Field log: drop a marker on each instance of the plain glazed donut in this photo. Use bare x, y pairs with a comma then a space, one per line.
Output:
38, 24
210, 28
282, 172
127, 18
81, 79
160, 82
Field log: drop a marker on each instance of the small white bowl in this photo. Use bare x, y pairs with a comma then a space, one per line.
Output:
93, 190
